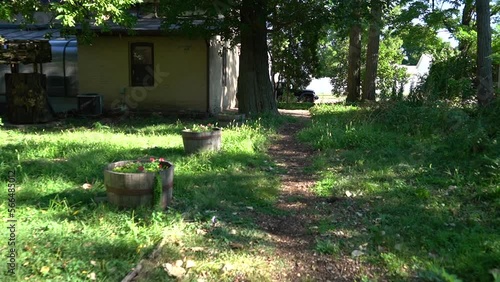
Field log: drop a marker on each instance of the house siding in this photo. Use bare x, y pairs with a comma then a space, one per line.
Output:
222, 97
180, 73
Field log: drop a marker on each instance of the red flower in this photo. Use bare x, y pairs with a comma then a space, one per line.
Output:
161, 159
141, 168
152, 159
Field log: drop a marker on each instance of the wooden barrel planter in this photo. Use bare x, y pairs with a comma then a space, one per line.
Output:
225, 119
131, 190
196, 142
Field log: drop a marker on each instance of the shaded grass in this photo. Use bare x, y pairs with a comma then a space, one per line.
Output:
295, 105
66, 233
419, 186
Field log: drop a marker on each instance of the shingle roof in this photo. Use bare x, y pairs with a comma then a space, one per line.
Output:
10, 32
143, 26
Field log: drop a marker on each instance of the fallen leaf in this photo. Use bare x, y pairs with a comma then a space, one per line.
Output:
236, 246
250, 208
175, 271
179, 263
190, 264
348, 193
363, 246
227, 267
339, 233
357, 253
44, 270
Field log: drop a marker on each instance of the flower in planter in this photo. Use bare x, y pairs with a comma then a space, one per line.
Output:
142, 166
201, 128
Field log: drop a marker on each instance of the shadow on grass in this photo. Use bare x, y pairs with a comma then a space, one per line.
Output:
86, 236
204, 186
427, 210
128, 125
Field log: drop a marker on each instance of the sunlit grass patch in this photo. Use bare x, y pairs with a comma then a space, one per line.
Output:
415, 183
221, 251
67, 232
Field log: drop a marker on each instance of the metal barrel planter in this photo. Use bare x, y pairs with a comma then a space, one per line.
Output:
131, 190
195, 142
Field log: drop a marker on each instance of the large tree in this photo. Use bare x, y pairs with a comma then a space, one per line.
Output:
354, 64
354, 61
484, 67
372, 51
255, 91
248, 22
239, 21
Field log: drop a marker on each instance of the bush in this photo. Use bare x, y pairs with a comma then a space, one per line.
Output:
452, 78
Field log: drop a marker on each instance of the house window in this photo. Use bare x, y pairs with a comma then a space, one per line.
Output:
141, 64
224, 66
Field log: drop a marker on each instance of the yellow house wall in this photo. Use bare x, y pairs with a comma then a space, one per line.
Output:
180, 73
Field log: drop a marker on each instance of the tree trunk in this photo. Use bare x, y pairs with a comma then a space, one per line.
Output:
372, 51
255, 92
484, 63
354, 71
467, 14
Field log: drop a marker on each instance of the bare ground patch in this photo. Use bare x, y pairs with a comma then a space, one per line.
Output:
296, 233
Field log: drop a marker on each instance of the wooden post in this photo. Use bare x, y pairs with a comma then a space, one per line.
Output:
14, 68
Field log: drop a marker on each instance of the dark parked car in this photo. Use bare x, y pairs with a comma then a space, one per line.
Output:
306, 96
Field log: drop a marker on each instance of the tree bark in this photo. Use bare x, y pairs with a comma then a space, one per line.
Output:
354, 70
372, 52
255, 92
484, 63
467, 14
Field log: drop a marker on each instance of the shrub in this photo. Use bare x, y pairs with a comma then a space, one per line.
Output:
451, 78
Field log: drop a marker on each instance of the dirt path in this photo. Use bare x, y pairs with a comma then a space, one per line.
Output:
295, 235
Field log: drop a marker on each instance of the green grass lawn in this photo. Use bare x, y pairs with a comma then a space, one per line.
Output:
418, 187
419, 184
63, 233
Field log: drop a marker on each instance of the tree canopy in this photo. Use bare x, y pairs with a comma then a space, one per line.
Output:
409, 28
305, 39
70, 13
